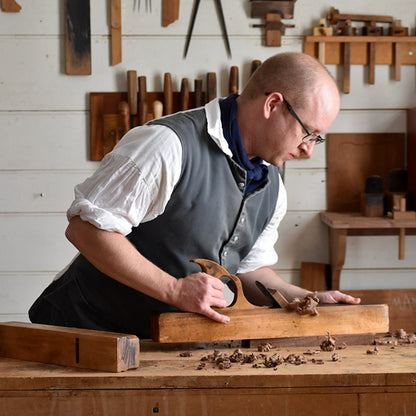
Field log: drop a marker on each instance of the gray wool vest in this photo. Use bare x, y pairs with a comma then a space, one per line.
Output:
208, 216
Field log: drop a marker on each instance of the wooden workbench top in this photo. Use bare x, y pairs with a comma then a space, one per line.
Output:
392, 366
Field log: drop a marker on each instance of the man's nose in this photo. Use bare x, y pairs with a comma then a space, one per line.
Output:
307, 148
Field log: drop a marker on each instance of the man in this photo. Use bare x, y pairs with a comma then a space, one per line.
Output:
199, 184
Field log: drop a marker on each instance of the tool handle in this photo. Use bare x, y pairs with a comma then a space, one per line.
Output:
198, 92
124, 111
132, 91
211, 86
157, 109
184, 94
142, 100
167, 93
214, 269
254, 65
233, 81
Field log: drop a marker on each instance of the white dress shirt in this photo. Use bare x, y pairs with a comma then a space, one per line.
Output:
134, 183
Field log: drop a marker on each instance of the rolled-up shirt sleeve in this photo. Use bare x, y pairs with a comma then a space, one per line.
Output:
263, 252
133, 183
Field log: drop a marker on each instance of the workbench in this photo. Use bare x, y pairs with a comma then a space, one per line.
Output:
168, 384
341, 225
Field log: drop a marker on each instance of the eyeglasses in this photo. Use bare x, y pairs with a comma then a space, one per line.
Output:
309, 137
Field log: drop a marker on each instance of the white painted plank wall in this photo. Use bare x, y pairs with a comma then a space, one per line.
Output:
44, 130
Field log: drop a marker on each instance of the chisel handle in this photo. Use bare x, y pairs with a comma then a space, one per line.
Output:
142, 100
168, 94
184, 94
211, 86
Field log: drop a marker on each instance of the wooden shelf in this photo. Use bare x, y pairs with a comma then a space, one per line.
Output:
384, 49
342, 224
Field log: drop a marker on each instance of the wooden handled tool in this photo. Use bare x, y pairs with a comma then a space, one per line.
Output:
124, 111
168, 94
83, 348
254, 65
132, 95
115, 32
142, 100
184, 94
157, 109
248, 321
334, 16
198, 92
170, 11
211, 86
10, 6
77, 37
233, 81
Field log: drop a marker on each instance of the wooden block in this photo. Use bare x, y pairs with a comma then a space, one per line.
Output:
260, 323
404, 215
315, 276
84, 348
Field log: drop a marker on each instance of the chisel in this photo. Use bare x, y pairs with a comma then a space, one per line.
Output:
142, 101
167, 94
184, 94
132, 95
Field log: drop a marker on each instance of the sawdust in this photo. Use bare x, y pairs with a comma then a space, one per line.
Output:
399, 337
305, 306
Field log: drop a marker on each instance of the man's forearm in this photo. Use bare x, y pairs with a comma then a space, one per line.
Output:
114, 255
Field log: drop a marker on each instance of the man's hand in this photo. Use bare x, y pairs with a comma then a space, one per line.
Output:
198, 292
335, 296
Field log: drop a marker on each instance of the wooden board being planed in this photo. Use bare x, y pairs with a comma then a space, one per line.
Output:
84, 348
263, 323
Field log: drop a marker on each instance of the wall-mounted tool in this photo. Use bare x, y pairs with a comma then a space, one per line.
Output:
170, 11
322, 30
233, 80
222, 23
132, 96
77, 37
10, 6
273, 12
369, 47
115, 32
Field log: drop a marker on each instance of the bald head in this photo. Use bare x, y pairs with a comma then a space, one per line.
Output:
293, 74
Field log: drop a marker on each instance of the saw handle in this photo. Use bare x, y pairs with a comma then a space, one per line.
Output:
214, 269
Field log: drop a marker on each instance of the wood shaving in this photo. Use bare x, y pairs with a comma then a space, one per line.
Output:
329, 343
335, 357
373, 352
186, 354
401, 334
201, 366
273, 361
295, 359
264, 347
317, 361
305, 306
311, 352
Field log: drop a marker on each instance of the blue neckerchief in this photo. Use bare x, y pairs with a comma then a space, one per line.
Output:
257, 172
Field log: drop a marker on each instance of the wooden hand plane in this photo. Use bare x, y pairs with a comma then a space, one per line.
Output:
248, 321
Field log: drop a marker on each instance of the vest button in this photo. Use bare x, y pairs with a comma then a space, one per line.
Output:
235, 238
225, 253
241, 185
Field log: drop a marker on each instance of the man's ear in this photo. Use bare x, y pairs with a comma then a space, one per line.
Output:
273, 101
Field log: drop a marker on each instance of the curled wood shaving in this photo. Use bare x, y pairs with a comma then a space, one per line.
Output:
296, 359
265, 347
329, 343
305, 306
335, 357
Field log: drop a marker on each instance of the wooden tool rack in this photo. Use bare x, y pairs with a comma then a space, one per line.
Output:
168, 384
388, 50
